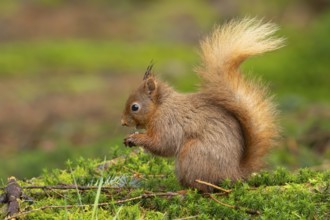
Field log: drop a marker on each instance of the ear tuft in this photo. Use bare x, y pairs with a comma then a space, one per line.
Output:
148, 72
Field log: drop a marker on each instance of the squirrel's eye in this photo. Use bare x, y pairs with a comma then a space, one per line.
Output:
135, 107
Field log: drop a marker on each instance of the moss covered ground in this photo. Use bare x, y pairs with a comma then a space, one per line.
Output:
140, 186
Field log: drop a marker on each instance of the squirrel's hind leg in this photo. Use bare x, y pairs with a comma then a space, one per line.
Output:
193, 163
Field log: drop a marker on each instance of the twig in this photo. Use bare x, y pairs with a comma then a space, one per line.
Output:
214, 186
46, 192
135, 173
147, 195
57, 193
143, 196
249, 211
189, 217
66, 187
221, 203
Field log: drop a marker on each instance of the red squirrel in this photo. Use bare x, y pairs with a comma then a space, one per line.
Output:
223, 130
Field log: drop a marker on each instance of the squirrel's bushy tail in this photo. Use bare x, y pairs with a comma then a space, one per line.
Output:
247, 99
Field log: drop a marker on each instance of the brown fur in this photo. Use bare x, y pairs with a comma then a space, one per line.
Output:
223, 130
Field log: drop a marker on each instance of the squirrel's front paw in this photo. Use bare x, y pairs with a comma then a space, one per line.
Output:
129, 141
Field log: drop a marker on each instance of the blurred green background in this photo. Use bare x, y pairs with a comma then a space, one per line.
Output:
66, 67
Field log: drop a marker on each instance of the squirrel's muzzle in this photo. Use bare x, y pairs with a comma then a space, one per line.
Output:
124, 123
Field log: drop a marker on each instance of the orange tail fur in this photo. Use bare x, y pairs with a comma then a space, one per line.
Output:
222, 53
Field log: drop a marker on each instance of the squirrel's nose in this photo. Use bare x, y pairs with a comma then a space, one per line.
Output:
123, 123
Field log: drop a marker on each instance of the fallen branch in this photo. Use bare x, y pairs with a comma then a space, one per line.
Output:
13, 192
247, 210
214, 186
67, 187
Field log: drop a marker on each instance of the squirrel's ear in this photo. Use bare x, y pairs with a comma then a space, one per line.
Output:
150, 86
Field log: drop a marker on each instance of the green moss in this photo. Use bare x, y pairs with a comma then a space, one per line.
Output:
286, 195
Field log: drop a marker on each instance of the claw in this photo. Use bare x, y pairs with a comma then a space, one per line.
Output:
128, 142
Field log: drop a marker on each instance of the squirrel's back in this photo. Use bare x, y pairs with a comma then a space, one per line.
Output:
248, 101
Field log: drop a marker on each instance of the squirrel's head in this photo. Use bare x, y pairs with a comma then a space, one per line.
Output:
142, 103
